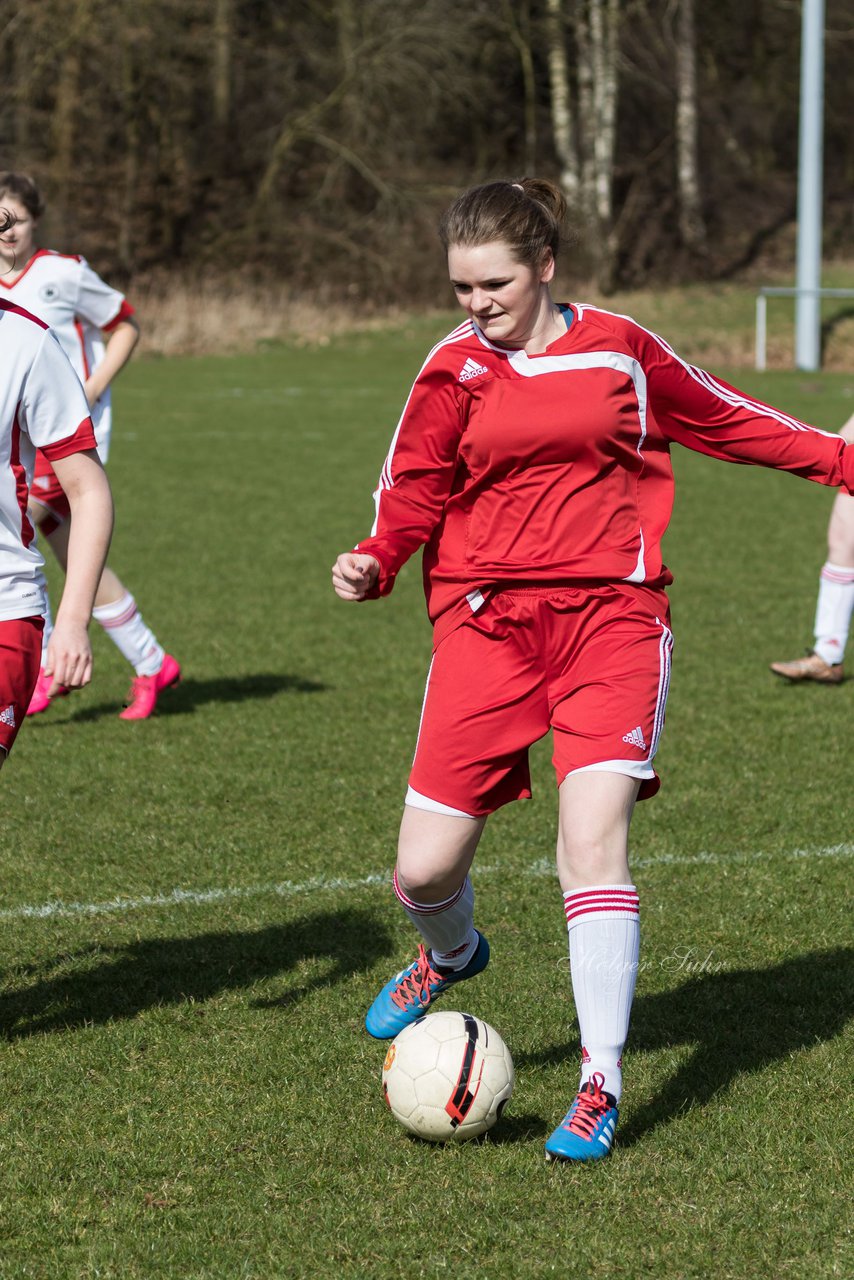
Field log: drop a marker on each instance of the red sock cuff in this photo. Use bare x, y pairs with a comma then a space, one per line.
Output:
426, 909
602, 902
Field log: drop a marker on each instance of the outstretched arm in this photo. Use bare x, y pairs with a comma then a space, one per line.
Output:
698, 410
69, 655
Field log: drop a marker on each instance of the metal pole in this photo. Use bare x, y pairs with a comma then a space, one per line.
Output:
761, 329
808, 306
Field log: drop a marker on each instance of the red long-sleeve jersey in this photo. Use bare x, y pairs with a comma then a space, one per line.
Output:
556, 467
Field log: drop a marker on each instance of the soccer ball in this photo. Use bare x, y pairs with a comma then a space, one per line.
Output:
447, 1076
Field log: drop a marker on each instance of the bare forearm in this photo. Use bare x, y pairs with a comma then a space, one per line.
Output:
88, 543
88, 491
120, 347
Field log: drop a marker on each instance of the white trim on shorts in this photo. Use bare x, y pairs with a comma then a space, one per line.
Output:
415, 800
631, 768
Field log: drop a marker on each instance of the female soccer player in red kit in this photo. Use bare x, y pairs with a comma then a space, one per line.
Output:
532, 459
64, 291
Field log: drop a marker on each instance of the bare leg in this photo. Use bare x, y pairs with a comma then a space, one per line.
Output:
110, 588
835, 602
116, 611
840, 531
834, 606
601, 906
593, 832
435, 852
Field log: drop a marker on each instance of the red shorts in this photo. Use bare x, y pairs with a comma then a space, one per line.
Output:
47, 490
20, 654
591, 664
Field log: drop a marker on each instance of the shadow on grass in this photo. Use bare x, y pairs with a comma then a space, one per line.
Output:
739, 1021
121, 982
512, 1129
185, 697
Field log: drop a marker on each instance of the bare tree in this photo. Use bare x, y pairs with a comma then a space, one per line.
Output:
587, 152
563, 131
691, 225
223, 34
516, 21
319, 141
603, 18
65, 110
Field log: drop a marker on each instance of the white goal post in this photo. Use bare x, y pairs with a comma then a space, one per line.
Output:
774, 292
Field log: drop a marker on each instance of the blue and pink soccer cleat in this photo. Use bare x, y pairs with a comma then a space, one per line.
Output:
587, 1130
411, 992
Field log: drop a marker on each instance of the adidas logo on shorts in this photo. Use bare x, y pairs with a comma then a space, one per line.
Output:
8, 717
635, 738
471, 369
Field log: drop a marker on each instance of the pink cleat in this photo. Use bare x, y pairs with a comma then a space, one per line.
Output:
145, 690
41, 699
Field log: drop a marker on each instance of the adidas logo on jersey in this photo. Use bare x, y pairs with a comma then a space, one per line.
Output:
8, 717
635, 738
471, 369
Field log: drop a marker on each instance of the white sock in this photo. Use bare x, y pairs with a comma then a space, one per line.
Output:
447, 927
124, 624
833, 611
604, 943
48, 628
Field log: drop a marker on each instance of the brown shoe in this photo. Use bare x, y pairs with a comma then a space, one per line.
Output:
812, 667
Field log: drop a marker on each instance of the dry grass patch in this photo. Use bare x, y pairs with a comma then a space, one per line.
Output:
711, 324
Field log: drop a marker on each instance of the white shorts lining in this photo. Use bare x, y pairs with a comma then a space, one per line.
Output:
415, 800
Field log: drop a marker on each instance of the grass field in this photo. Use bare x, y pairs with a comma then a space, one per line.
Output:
196, 912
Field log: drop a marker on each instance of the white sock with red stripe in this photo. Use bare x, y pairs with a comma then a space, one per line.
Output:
833, 611
604, 943
124, 624
447, 927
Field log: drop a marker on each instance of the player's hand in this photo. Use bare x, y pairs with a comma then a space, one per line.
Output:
354, 574
847, 431
69, 657
90, 390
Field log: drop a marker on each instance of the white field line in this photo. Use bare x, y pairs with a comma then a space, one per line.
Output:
330, 884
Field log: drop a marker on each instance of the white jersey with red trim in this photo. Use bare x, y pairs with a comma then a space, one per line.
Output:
42, 406
556, 467
64, 291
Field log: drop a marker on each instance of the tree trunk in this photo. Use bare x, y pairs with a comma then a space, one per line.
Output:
604, 19
520, 37
691, 225
66, 108
131, 157
599, 32
22, 44
584, 65
561, 105
222, 59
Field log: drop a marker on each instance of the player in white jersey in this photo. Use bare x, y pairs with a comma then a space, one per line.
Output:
97, 329
42, 406
835, 604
